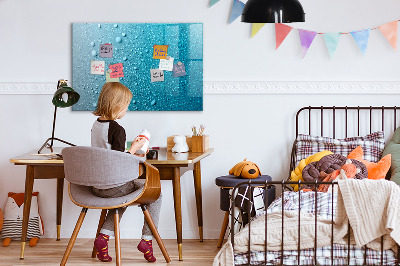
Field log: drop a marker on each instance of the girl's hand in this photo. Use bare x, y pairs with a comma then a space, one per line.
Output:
137, 144
142, 155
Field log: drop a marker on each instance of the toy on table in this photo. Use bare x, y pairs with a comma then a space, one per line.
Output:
13, 215
245, 169
180, 144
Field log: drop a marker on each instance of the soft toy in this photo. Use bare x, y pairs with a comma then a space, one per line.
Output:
180, 144
296, 174
13, 215
375, 170
245, 169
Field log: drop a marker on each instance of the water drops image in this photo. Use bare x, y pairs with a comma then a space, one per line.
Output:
133, 46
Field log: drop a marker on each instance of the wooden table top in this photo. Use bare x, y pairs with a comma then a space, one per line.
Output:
164, 157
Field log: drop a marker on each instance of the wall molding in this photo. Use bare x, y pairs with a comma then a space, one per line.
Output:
244, 87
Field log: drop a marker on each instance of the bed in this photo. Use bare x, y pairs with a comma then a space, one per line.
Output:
301, 228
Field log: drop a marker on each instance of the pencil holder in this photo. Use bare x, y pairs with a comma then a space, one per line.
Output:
200, 143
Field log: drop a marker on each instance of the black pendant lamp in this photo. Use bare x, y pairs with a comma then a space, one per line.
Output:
273, 11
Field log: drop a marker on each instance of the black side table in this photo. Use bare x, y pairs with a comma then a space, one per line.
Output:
226, 183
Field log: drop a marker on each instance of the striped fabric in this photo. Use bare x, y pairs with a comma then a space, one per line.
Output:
372, 145
322, 207
13, 228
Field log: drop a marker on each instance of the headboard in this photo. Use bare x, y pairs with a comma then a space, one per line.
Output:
343, 122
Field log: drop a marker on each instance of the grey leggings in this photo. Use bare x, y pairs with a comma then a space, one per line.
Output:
154, 208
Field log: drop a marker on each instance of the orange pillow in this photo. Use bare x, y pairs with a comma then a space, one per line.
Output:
375, 170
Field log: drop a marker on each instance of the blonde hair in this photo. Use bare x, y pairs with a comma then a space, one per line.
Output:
112, 99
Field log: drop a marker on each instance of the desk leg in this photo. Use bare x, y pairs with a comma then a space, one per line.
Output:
27, 206
60, 190
176, 182
199, 204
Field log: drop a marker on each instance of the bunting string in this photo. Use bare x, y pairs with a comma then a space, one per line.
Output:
361, 37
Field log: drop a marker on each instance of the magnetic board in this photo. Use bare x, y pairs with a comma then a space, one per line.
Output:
131, 53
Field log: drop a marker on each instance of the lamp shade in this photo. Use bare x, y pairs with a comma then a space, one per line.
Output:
273, 11
70, 97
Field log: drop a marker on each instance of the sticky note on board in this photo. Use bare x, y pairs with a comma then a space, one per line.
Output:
167, 64
179, 70
106, 50
160, 51
157, 75
117, 70
97, 67
110, 79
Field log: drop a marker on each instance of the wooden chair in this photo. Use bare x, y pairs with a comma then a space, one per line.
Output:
85, 167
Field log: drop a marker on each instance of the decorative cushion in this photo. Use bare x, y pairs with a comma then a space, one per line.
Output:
296, 174
372, 144
393, 148
328, 164
375, 170
13, 215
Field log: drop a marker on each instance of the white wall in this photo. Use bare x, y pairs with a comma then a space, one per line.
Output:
36, 47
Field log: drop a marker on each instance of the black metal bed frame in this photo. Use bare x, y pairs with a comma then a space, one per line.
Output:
283, 184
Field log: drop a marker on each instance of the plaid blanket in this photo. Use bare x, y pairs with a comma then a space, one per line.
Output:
323, 205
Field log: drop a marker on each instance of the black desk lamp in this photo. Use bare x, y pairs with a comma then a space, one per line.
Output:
273, 11
65, 96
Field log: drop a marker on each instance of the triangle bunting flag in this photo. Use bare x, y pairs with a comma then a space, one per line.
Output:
389, 30
213, 2
361, 38
256, 27
281, 31
306, 39
237, 9
332, 41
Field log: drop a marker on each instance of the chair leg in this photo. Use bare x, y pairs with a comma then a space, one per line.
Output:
117, 238
73, 237
101, 222
154, 230
223, 229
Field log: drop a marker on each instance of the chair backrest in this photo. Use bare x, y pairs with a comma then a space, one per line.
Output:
91, 166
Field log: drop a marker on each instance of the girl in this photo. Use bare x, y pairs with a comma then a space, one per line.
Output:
113, 103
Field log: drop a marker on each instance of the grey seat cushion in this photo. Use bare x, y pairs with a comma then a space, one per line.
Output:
83, 196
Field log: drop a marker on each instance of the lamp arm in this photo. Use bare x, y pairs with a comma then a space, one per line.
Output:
54, 126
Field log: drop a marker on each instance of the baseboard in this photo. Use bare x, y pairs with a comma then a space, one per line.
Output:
246, 87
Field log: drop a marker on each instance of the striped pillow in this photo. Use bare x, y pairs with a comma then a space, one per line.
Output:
372, 145
13, 228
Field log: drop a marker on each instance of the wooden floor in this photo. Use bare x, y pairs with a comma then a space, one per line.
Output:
50, 252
